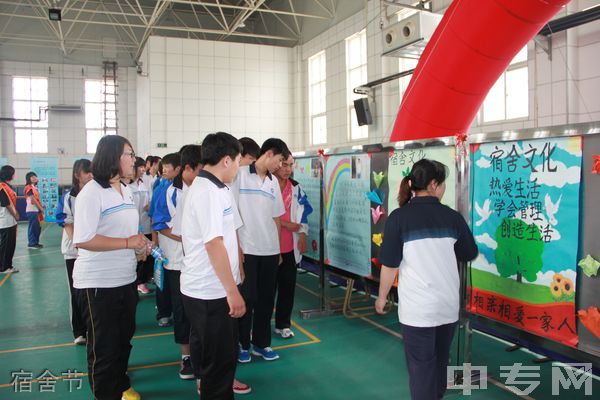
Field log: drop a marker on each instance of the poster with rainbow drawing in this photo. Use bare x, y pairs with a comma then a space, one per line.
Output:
307, 173
347, 213
526, 223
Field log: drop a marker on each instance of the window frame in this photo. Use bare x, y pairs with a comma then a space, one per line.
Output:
317, 83
362, 67
513, 66
31, 128
106, 106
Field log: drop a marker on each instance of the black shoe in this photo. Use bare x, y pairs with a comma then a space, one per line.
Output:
39, 246
186, 371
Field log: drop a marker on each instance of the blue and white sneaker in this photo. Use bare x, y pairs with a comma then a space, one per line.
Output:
244, 356
267, 353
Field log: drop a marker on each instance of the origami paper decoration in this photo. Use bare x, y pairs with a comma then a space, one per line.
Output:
376, 213
378, 177
378, 239
591, 320
376, 196
589, 266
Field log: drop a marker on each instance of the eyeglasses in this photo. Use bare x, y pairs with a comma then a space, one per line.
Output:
132, 154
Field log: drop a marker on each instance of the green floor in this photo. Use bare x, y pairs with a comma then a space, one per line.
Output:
330, 358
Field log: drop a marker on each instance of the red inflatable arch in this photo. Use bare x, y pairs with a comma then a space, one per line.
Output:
470, 49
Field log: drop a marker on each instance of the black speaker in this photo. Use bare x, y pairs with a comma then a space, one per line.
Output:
363, 112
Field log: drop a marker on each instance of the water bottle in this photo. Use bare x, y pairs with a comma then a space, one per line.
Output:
157, 253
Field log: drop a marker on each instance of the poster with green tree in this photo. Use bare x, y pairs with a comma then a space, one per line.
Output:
526, 224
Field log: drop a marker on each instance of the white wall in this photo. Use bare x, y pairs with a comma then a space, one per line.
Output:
564, 90
197, 87
66, 130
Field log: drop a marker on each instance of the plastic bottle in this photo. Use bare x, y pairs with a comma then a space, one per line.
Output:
157, 253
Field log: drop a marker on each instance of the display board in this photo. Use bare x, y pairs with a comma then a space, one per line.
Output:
46, 169
307, 172
588, 284
525, 219
347, 214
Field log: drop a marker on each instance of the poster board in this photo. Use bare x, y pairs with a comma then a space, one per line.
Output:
588, 284
307, 173
46, 169
525, 213
346, 211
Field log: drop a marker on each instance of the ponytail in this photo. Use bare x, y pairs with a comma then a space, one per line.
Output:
404, 194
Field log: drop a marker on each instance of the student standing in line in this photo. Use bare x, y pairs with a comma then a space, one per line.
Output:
8, 220
152, 173
422, 241
292, 241
259, 200
164, 217
191, 155
82, 174
34, 210
250, 151
106, 235
211, 269
164, 193
141, 197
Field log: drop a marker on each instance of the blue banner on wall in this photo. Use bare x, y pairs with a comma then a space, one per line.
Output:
46, 169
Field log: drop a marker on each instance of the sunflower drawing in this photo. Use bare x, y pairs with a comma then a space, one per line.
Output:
567, 286
558, 278
556, 290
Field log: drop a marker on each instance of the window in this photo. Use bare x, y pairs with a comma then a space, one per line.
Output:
356, 75
509, 97
100, 112
30, 104
317, 98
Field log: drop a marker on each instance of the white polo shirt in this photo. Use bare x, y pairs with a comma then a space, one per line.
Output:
66, 246
209, 212
259, 201
141, 197
177, 220
102, 210
172, 248
6, 218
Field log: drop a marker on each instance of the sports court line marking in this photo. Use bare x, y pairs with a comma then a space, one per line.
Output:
313, 340
5, 278
52, 346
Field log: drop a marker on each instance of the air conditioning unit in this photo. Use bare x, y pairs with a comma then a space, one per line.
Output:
408, 38
65, 108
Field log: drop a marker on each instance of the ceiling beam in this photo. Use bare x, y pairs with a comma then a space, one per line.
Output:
261, 10
159, 9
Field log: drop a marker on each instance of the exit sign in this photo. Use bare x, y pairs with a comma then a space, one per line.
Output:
161, 145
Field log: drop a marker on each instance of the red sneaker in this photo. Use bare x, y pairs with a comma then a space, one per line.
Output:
240, 387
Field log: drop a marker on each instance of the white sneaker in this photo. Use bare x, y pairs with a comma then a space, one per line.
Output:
285, 333
80, 340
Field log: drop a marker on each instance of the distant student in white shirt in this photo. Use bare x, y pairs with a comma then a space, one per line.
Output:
164, 198
82, 174
258, 197
250, 151
164, 218
211, 268
141, 197
106, 235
